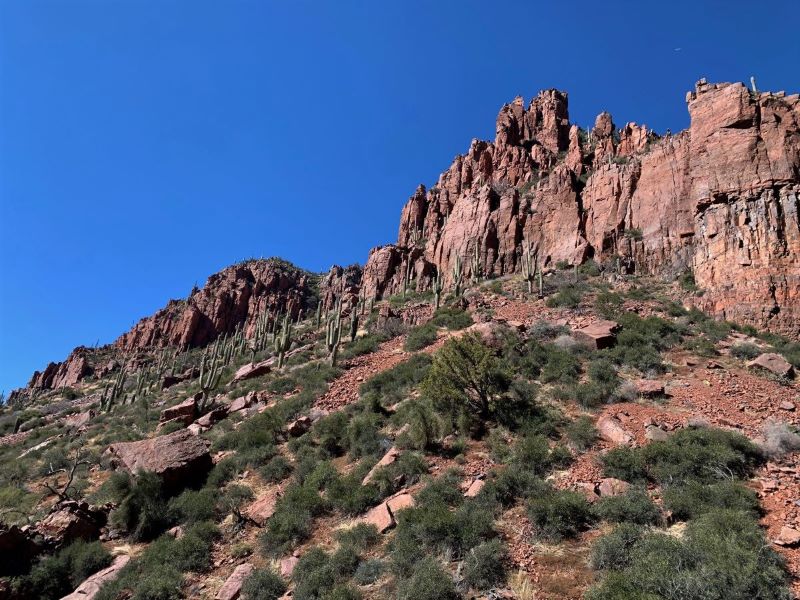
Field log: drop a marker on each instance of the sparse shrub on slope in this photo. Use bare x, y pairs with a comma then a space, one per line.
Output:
559, 514
420, 337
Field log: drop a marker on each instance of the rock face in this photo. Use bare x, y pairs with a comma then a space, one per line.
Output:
91, 587
232, 587
236, 295
340, 283
66, 373
774, 363
72, 521
720, 198
179, 458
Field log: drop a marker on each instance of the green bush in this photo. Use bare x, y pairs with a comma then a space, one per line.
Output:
745, 351
420, 337
390, 386
641, 341
705, 455
569, 296
581, 434
614, 551
277, 469
722, 556
451, 318
363, 436
366, 344
369, 571
560, 366
194, 506
143, 511
360, 537
483, 566
292, 520
428, 582
55, 576
559, 514
347, 495
635, 506
317, 574
693, 499
263, 584
466, 379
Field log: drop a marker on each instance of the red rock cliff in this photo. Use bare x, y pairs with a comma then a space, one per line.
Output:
720, 198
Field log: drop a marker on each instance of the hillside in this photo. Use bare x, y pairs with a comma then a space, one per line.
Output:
573, 376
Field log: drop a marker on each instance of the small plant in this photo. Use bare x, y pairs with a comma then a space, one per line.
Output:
263, 584
581, 433
745, 351
483, 566
420, 337
634, 506
559, 514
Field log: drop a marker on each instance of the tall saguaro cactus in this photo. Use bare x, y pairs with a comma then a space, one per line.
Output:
353, 323
437, 290
333, 335
529, 265
476, 263
457, 276
283, 340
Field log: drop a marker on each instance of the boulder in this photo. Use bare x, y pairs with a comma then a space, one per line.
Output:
654, 433
287, 566
387, 459
599, 335
611, 430
251, 370
649, 388
243, 402
299, 426
71, 521
213, 416
179, 458
79, 420
612, 487
774, 363
91, 586
788, 536
474, 488
263, 507
184, 412
400, 501
381, 517
232, 588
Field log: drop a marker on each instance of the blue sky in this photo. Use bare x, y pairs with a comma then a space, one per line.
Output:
145, 144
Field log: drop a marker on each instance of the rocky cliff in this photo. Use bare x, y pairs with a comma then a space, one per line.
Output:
719, 199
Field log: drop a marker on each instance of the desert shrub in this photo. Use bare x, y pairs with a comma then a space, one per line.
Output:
702, 454
545, 331
346, 494
601, 386
241, 550
686, 281
465, 379
693, 499
277, 469
559, 514
779, 438
581, 433
483, 566
590, 268
143, 511
391, 386
608, 304
224, 471
263, 584
451, 318
428, 582
363, 436
569, 296
407, 470
613, 551
360, 537
701, 346
641, 340
292, 520
634, 506
745, 351
55, 576
369, 571
366, 344
423, 427
722, 556
560, 366
420, 337
317, 573
194, 506
282, 385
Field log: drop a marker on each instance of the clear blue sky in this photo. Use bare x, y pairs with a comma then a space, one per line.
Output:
145, 144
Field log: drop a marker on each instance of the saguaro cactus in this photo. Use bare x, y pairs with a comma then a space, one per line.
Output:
528, 265
210, 373
353, 323
333, 334
437, 290
283, 340
457, 276
476, 263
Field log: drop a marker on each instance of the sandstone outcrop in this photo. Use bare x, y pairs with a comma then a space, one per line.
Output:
179, 458
66, 373
720, 199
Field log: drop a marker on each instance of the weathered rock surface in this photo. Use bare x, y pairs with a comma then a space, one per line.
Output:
66, 373
720, 198
179, 458
390, 457
252, 370
598, 335
611, 430
71, 521
91, 587
232, 588
236, 295
185, 411
263, 507
774, 363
